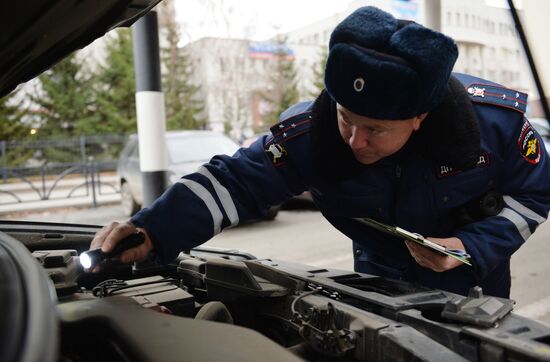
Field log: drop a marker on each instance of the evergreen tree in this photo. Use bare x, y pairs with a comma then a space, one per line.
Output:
12, 129
285, 89
64, 99
64, 105
183, 108
319, 73
115, 87
11, 114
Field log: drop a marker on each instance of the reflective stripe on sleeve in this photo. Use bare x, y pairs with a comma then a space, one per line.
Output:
224, 196
518, 221
522, 210
203, 194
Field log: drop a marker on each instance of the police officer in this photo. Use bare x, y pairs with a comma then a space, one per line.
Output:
395, 137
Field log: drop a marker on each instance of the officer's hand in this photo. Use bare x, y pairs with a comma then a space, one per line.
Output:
433, 260
110, 235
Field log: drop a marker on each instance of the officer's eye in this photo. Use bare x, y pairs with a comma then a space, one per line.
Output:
375, 131
345, 121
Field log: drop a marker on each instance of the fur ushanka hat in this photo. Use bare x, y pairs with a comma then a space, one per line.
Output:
384, 68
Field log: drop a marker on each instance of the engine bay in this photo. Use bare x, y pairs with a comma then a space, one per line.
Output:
212, 304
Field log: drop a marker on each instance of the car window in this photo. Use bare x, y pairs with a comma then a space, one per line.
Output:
134, 153
199, 147
128, 149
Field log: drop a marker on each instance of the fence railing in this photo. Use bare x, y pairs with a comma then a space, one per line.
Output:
59, 168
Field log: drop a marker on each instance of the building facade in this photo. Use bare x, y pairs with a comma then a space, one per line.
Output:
233, 79
488, 43
236, 79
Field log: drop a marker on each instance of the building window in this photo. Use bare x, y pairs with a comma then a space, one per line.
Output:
260, 64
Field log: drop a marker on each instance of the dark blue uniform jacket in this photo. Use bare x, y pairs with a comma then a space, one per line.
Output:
477, 141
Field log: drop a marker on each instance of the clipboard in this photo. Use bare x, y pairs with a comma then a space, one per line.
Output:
396, 231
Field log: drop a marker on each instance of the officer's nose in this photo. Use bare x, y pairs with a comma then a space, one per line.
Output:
359, 138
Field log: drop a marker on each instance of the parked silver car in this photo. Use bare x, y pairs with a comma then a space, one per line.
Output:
187, 151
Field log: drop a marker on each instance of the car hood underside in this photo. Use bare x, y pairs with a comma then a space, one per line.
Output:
38, 33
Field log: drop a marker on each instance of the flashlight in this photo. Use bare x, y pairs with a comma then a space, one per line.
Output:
91, 258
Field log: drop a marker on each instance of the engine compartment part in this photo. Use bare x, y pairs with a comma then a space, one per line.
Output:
216, 312
62, 267
227, 279
25, 322
320, 314
478, 309
211, 304
117, 328
156, 292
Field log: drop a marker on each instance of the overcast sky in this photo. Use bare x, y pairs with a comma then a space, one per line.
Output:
253, 19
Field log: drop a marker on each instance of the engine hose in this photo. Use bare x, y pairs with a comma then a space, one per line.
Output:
216, 312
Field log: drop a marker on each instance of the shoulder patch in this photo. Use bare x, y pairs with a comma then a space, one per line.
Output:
292, 127
276, 153
497, 95
529, 146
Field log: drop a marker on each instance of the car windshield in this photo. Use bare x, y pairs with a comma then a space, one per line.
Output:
199, 147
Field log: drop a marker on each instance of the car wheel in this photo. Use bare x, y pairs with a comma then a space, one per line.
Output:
129, 205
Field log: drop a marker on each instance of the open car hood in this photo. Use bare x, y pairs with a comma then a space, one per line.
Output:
38, 33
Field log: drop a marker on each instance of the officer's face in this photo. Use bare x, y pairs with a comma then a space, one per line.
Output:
373, 139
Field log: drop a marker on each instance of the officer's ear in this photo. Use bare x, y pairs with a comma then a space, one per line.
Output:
417, 121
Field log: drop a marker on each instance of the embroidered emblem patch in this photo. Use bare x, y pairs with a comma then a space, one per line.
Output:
443, 171
529, 146
276, 153
477, 92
